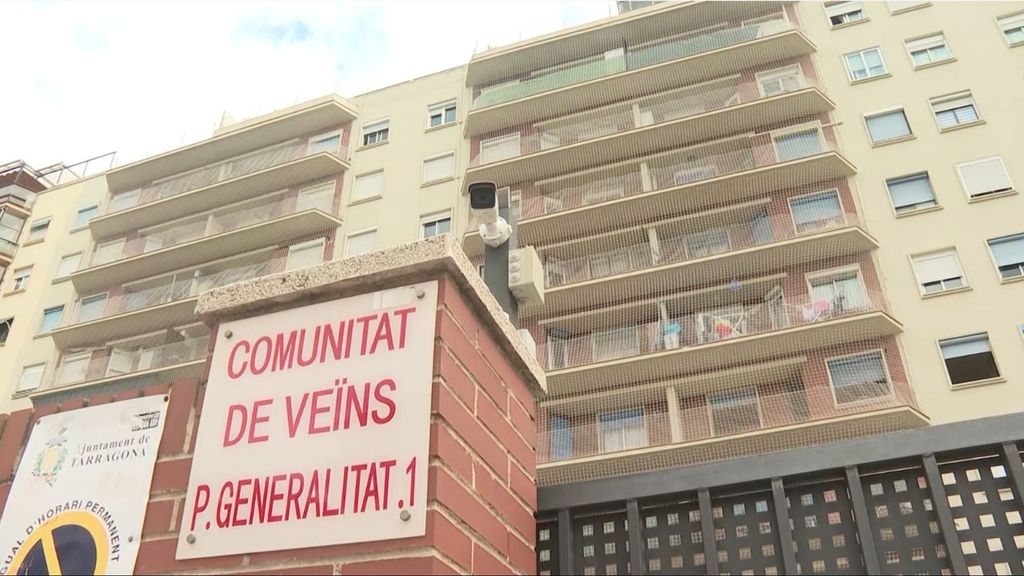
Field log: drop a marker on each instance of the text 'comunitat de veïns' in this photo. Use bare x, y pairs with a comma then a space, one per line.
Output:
343, 488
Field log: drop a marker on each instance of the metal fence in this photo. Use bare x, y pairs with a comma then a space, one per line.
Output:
945, 499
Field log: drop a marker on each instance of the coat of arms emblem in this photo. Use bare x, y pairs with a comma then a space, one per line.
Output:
50, 461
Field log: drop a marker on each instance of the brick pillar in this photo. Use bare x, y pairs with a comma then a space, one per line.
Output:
482, 445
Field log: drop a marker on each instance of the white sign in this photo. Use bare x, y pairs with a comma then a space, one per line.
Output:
81, 490
315, 427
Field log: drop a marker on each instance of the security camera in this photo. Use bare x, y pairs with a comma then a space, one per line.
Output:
483, 200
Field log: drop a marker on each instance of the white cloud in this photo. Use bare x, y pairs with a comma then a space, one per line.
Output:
143, 77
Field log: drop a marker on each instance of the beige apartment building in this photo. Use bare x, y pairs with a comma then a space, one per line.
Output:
762, 225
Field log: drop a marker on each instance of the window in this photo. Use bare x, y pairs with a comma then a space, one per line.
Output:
909, 193
68, 264
51, 319
21, 279
318, 197
706, 243
954, 109
85, 214
435, 225
837, 293
816, 212
439, 168
92, 307
797, 144
375, 133
968, 359
858, 378
325, 143
108, 251
887, 126
938, 271
5, 329
1008, 253
74, 368
906, 5
10, 228
984, 177
368, 186
609, 263
622, 430
361, 243
780, 81
865, 64
37, 231
928, 49
615, 343
734, 412
499, 148
558, 349
844, 12
441, 114
31, 377
561, 437
1013, 28
305, 254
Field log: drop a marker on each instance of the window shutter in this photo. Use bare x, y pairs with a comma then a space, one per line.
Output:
439, 168
965, 346
368, 186
842, 8
888, 126
936, 267
1008, 250
910, 191
984, 176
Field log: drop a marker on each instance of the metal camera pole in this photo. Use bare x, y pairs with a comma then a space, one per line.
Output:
496, 269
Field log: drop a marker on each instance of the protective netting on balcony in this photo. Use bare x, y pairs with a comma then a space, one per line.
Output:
711, 288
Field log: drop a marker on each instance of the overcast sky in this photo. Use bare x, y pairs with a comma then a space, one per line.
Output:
86, 78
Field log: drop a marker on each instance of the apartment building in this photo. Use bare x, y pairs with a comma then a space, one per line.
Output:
105, 285
19, 184
763, 226
767, 229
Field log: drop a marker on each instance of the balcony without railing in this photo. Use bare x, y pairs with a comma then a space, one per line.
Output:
213, 174
713, 416
202, 226
631, 58
676, 244
649, 111
683, 332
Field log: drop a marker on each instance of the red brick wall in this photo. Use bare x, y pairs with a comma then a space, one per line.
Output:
481, 491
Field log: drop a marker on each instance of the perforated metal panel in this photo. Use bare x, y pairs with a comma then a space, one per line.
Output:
601, 542
673, 542
547, 547
986, 514
904, 524
746, 534
824, 530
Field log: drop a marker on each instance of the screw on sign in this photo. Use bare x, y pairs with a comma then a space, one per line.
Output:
69, 543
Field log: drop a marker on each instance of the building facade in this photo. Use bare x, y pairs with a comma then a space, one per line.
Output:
763, 227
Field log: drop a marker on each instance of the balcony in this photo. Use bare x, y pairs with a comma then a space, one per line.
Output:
716, 426
712, 339
614, 75
135, 310
239, 139
215, 185
677, 257
17, 197
670, 184
202, 239
678, 118
160, 357
7, 251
